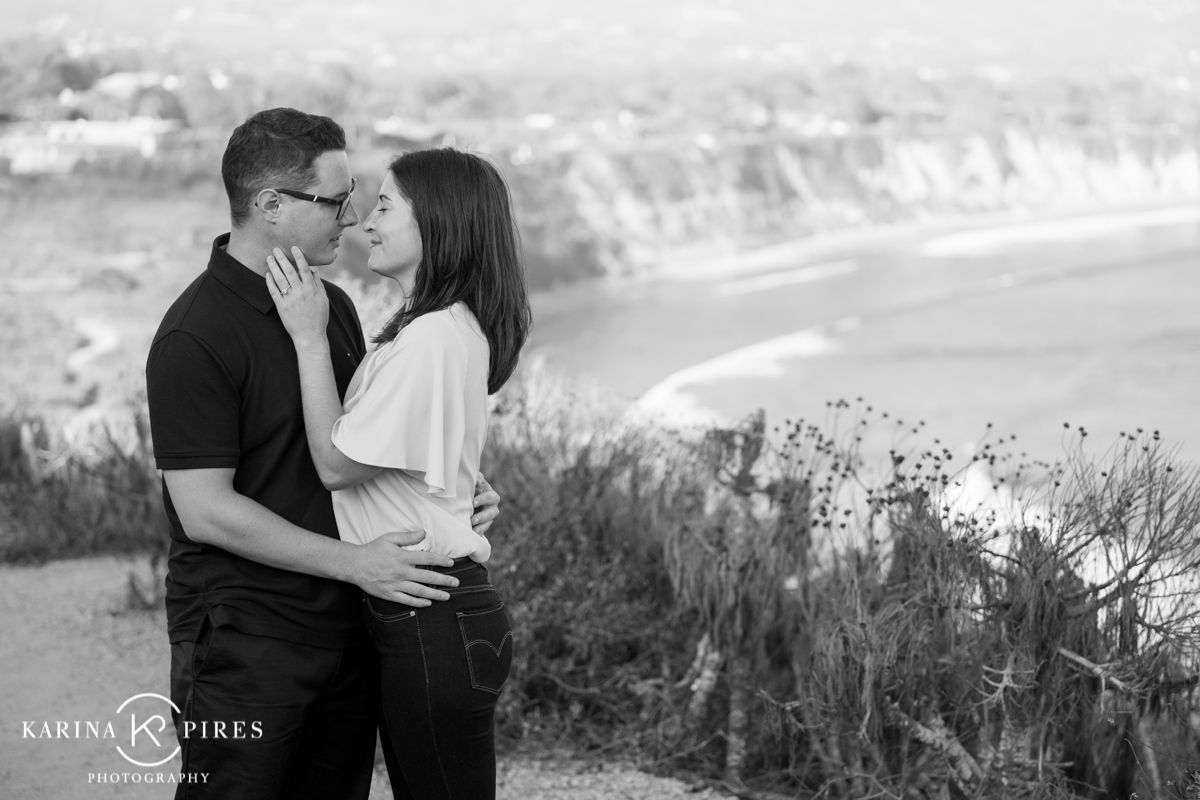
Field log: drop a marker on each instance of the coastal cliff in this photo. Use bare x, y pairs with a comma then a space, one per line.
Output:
591, 210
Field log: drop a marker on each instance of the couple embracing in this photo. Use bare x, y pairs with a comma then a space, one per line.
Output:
326, 575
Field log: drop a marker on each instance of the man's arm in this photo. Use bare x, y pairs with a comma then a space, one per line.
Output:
213, 513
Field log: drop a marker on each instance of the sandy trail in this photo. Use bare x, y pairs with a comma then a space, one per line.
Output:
72, 650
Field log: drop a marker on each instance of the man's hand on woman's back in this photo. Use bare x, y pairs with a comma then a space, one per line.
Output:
386, 570
487, 503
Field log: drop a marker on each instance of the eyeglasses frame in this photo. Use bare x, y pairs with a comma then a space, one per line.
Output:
342, 204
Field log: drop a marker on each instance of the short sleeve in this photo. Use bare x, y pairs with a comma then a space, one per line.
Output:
410, 410
193, 405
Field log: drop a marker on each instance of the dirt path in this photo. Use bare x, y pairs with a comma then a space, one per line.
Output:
72, 650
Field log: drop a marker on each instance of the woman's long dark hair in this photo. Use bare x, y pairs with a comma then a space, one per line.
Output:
470, 251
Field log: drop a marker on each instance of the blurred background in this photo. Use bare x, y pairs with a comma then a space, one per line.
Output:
979, 215
964, 212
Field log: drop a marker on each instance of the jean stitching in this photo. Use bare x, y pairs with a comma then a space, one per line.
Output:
470, 661
467, 646
491, 647
387, 617
491, 610
457, 590
429, 708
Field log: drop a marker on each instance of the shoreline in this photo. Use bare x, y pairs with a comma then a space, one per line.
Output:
682, 264
670, 399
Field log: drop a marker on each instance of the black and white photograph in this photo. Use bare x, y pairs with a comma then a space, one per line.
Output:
574, 400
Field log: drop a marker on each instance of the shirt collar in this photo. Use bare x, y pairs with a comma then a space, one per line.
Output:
238, 278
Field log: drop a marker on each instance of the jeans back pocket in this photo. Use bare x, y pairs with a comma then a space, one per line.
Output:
488, 640
387, 610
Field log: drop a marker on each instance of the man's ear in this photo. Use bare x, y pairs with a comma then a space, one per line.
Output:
269, 205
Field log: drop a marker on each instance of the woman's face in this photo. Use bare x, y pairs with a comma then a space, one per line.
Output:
395, 239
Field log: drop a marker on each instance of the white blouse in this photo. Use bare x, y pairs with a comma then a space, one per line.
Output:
417, 406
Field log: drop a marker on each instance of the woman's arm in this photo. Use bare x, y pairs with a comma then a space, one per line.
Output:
305, 314
321, 409
304, 308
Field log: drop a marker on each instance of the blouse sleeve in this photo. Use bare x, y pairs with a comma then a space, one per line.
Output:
411, 409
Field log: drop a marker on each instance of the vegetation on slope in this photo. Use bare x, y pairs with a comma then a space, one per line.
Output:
761, 608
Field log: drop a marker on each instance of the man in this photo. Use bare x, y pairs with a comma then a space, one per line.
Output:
263, 601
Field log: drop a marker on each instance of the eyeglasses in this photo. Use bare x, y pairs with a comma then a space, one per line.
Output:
342, 204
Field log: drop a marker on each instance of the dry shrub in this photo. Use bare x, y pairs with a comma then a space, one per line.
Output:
64, 499
1049, 655
578, 555
762, 608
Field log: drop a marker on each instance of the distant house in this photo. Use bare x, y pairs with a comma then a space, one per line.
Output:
122, 95
406, 134
124, 85
56, 147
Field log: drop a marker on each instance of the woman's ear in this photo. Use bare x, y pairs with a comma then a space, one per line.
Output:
269, 205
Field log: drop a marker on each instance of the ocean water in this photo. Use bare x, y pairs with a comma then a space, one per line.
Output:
1093, 322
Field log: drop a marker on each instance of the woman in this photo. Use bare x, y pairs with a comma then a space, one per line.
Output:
403, 453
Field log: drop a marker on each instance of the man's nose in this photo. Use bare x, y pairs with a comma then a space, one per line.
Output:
350, 218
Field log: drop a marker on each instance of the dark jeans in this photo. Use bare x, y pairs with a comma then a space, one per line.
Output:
442, 669
315, 709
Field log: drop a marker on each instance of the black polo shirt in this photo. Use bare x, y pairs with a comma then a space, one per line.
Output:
224, 391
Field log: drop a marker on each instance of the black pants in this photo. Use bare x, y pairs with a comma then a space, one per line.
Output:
315, 710
442, 669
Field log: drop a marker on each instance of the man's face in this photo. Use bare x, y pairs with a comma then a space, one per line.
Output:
314, 227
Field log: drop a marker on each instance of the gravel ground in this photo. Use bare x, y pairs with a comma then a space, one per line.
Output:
564, 779
73, 650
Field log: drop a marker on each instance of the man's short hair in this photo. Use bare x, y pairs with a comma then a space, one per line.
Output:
275, 149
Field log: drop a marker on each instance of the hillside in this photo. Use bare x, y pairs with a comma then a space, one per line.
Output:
626, 211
